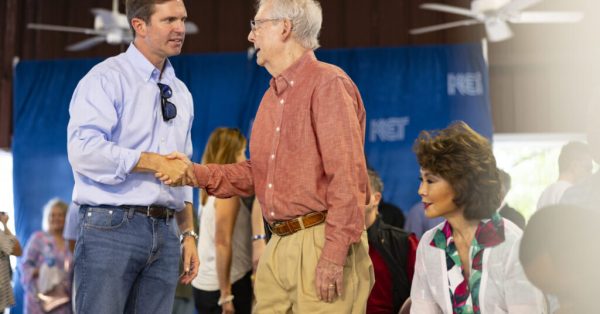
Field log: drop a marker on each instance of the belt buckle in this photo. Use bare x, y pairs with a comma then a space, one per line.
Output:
278, 224
148, 210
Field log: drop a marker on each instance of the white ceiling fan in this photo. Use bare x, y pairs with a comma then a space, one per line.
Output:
111, 27
496, 15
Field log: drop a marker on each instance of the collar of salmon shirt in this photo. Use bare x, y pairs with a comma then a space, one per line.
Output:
280, 83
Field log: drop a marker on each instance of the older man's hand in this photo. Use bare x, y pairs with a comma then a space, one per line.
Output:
183, 174
329, 280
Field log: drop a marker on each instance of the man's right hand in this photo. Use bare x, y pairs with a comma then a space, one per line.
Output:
176, 170
228, 308
188, 177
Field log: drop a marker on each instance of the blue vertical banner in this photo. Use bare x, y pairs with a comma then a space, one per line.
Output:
405, 90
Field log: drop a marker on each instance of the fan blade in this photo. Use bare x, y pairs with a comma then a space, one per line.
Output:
47, 27
107, 17
497, 30
481, 6
191, 28
518, 5
450, 9
433, 28
546, 17
85, 44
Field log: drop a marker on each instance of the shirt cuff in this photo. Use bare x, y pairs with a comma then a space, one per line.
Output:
335, 252
129, 158
202, 174
189, 194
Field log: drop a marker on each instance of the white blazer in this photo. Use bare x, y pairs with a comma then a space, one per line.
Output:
503, 289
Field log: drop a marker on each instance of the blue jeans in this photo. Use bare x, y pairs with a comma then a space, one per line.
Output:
125, 262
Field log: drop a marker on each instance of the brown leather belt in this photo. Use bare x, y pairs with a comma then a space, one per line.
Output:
154, 211
284, 228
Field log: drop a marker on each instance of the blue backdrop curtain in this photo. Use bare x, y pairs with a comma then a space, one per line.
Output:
405, 90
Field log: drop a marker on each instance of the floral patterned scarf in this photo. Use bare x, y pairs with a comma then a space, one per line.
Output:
464, 293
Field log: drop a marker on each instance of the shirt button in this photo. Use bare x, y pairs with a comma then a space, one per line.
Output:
281, 101
292, 83
272, 156
277, 129
270, 186
272, 213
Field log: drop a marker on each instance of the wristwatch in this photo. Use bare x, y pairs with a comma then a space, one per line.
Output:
189, 233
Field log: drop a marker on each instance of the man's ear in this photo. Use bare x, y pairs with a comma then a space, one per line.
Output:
139, 26
377, 198
286, 33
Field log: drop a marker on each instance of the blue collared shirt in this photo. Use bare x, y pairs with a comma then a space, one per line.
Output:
115, 116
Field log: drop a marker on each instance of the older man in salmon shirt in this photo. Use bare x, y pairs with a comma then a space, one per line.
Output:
307, 169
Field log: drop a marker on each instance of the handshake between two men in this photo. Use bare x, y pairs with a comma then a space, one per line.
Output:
176, 169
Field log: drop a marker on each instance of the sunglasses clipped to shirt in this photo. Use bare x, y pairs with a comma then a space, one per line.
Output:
169, 111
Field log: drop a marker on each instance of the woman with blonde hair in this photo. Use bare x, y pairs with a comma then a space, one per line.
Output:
470, 262
223, 284
46, 264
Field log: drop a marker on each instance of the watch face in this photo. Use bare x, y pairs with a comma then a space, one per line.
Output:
189, 233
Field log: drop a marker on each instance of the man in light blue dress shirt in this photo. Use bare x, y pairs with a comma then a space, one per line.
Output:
126, 114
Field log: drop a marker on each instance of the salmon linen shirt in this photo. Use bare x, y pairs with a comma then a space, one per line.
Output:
306, 154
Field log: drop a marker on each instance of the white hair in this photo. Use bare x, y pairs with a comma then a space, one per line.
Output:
48, 209
306, 18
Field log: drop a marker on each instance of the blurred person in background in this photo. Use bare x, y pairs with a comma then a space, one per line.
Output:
392, 252
559, 252
586, 193
391, 214
9, 245
574, 164
223, 284
417, 223
46, 264
506, 210
469, 263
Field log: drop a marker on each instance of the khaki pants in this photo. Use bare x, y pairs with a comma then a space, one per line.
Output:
285, 278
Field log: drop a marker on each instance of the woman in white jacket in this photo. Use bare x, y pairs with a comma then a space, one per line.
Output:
469, 263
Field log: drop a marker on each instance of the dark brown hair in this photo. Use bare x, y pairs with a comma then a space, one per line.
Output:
141, 9
464, 158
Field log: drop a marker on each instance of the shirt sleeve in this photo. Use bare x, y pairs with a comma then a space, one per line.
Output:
339, 119
94, 113
420, 292
225, 181
71, 229
7, 243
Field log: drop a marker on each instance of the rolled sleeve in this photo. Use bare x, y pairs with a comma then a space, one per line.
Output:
93, 117
225, 181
